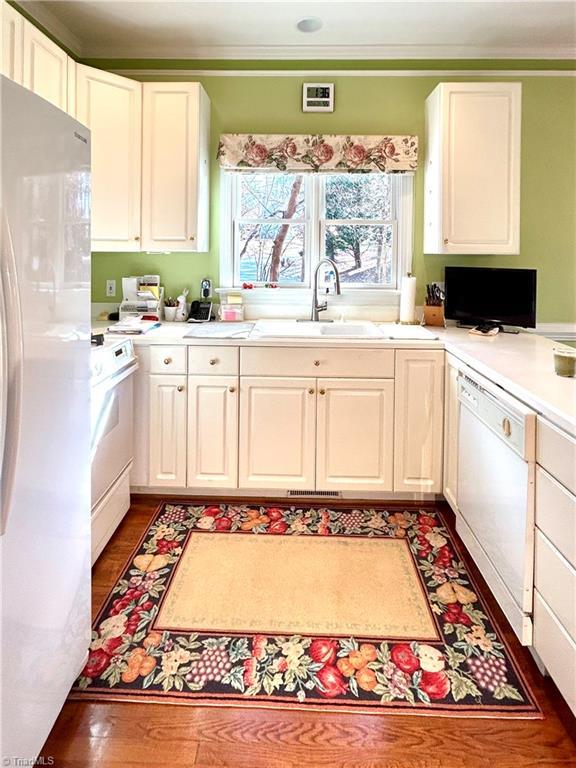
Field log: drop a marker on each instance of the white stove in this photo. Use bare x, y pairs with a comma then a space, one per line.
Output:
110, 358
113, 365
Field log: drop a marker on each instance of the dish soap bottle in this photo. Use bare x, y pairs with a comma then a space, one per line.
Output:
181, 310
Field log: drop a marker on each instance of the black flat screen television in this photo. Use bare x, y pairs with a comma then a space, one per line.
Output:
491, 296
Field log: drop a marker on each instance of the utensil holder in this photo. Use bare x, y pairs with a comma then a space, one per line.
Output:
434, 316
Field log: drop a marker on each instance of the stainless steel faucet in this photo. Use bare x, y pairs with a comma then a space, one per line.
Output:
316, 308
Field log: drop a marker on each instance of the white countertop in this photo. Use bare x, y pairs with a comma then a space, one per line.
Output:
522, 364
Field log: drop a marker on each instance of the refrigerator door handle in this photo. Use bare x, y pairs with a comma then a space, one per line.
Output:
11, 360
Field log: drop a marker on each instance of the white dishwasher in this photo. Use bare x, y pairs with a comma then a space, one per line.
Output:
496, 465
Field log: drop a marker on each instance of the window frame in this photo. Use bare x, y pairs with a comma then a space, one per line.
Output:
314, 224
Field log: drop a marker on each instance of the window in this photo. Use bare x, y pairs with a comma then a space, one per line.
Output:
283, 223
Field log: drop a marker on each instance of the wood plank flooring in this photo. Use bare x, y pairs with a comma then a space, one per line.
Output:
125, 735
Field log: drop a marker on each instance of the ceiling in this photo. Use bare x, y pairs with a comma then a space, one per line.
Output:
351, 30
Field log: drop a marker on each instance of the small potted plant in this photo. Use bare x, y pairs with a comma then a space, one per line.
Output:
170, 307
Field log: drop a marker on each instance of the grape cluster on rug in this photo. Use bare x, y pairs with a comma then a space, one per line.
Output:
466, 669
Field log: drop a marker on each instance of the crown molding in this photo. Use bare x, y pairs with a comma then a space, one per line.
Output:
329, 73
330, 52
37, 11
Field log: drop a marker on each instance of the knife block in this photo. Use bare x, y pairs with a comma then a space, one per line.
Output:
434, 316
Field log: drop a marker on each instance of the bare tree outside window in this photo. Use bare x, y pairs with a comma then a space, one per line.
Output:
277, 240
271, 251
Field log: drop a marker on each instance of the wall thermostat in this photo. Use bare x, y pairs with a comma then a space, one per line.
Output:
318, 97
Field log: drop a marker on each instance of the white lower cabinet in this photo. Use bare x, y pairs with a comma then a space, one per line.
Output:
355, 429
277, 432
168, 430
212, 432
451, 419
217, 423
418, 420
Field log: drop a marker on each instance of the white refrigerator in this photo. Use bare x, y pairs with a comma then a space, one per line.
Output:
44, 414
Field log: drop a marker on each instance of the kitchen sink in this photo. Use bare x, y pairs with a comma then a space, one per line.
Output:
286, 329
350, 330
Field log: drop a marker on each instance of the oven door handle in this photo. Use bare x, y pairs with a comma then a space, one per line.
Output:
118, 377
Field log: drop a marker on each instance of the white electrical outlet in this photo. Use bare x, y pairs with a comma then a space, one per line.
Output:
111, 288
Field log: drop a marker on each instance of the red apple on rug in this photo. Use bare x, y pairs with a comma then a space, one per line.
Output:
323, 651
435, 684
332, 682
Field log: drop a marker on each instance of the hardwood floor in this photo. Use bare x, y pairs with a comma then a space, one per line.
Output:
114, 735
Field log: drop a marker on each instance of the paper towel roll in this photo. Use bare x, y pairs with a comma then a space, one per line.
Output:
408, 299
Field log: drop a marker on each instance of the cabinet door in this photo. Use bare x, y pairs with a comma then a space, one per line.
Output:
355, 422
12, 42
451, 418
45, 67
111, 106
212, 431
472, 169
418, 420
277, 432
175, 167
168, 431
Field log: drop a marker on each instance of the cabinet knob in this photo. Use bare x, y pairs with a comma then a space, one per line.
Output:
180, 388
310, 391
322, 391
136, 237
191, 237
167, 360
316, 362
506, 427
231, 389
213, 360
445, 241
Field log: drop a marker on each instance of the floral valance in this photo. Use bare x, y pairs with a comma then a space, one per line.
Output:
380, 154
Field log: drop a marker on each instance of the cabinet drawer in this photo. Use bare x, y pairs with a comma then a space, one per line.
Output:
556, 514
556, 452
556, 649
555, 580
314, 361
216, 361
167, 359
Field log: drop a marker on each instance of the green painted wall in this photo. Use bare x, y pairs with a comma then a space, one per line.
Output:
396, 105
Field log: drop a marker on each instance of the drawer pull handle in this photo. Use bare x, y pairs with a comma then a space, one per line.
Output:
310, 391
322, 391
506, 427
180, 388
316, 362
167, 360
213, 361
231, 389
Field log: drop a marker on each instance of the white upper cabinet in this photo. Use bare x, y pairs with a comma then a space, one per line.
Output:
472, 169
176, 140
111, 106
12, 42
45, 67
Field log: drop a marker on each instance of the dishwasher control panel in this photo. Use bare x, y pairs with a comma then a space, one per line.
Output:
509, 426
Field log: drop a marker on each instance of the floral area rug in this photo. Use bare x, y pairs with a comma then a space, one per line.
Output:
460, 667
